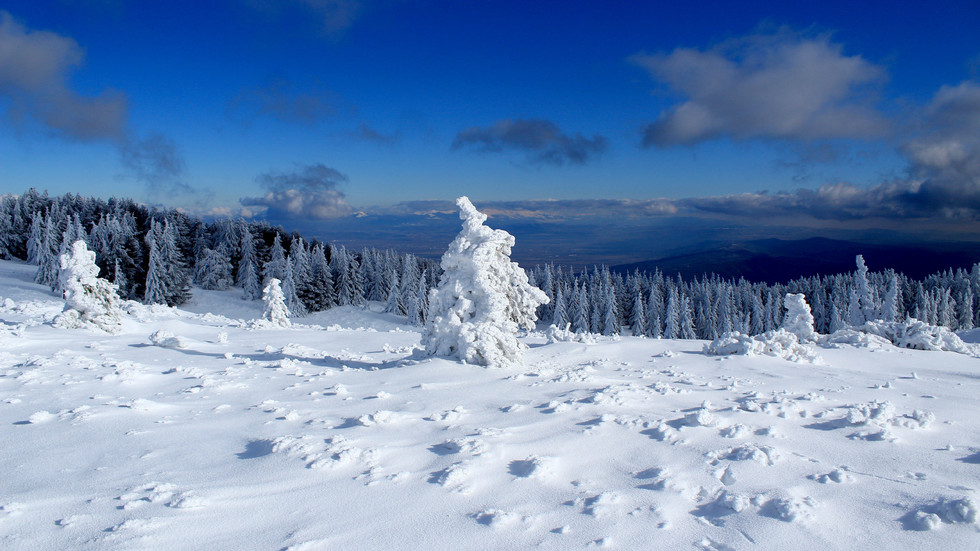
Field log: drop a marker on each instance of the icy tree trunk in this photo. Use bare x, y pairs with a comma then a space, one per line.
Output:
482, 299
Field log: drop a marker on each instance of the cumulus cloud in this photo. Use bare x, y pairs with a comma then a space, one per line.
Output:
309, 192
541, 140
283, 101
34, 71
780, 86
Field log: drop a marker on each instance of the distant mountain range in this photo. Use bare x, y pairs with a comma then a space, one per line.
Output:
777, 260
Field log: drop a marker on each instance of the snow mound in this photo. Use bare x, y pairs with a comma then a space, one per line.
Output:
857, 339
918, 335
166, 339
949, 511
779, 343
792, 509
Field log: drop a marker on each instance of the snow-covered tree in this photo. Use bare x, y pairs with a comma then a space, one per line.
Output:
672, 327
638, 320
275, 304
156, 292
248, 268
89, 299
798, 319
276, 266
861, 307
559, 316
289, 290
483, 298
212, 270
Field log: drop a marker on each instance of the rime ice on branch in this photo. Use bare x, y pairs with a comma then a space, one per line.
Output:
483, 298
89, 299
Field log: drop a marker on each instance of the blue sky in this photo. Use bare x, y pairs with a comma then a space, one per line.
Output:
818, 115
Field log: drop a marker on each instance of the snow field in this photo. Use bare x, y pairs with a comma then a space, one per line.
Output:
343, 435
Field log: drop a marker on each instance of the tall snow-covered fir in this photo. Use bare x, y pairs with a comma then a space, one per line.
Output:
483, 298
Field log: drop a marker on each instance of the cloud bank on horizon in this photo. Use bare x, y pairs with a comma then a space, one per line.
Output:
775, 87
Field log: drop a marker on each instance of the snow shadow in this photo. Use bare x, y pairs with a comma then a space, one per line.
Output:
255, 449
522, 468
833, 424
713, 512
973, 459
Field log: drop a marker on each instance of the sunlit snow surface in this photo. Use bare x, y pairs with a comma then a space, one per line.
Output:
341, 436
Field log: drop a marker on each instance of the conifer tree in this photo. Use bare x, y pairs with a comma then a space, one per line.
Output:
672, 324
482, 299
276, 311
276, 266
293, 303
559, 317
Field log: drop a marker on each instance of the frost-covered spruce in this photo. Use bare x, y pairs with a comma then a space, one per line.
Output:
798, 319
89, 299
483, 298
275, 304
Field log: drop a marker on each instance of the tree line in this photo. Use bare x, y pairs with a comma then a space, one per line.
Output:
154, 255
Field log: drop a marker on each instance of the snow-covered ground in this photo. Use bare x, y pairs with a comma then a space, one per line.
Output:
342, 435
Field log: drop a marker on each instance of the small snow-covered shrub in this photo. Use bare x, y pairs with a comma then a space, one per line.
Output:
779, 343
483, 298
918, 335
555, 334
276, 311
90, 301
798, 319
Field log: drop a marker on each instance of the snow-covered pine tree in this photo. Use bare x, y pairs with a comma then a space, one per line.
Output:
559, 316
862, 306
177, 280
276, 266
47, 257
319, 293
393, 302
686, 319
248, 268
798, 319
638, 322
89, 299
610, 320
34, 238
580, 310
212, 270
672, 323
289, 291
482, 299
155, 291
276, 311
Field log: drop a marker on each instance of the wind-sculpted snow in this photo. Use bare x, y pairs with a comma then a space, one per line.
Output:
779, 343
919, 335
340, 434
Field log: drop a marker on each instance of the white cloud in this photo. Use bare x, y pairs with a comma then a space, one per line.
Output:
778, 86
